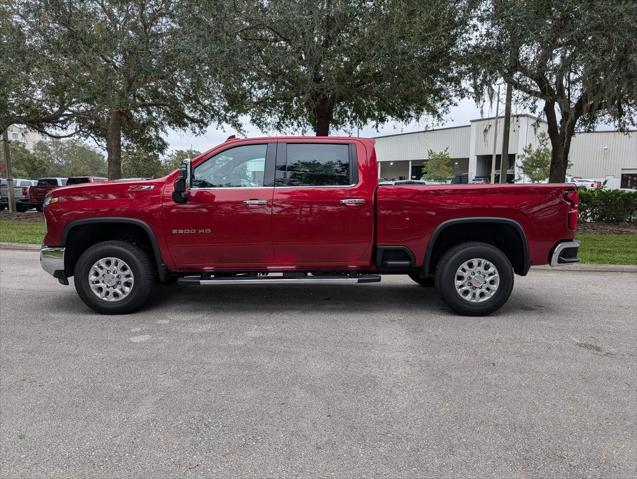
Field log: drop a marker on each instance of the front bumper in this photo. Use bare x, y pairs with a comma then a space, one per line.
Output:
52, 261
565, 253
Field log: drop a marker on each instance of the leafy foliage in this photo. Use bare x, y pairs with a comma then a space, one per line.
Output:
575, 58
536, 163
438, 166
334, 64
173, 160
54, 157
608, 206
125, 64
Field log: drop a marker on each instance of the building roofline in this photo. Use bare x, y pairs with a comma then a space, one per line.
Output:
459, 126
518, 115
423, 131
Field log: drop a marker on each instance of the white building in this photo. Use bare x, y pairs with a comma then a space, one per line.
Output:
610, 155
25, 135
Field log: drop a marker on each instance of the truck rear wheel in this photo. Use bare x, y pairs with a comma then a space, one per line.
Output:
474, 279
114, 277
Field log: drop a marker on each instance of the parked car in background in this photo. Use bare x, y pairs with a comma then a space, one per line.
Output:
38, 192
78, 180
21, 188
584, 182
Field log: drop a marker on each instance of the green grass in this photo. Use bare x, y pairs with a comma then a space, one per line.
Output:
21, 231
608, 249
596, 248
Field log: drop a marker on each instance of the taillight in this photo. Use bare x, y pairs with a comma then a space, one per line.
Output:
572, 198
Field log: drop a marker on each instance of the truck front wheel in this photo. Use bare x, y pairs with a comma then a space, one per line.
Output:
474, 279
114, 277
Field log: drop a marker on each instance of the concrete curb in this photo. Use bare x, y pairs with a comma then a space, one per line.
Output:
591, 268
20, 246
581, 267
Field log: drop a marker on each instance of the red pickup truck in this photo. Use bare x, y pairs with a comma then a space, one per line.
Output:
302, 210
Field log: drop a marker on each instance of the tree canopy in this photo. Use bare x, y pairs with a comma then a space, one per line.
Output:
71, 157
294, 65
124, 64
575, 59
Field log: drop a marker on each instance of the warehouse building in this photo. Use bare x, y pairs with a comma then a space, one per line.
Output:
609, 156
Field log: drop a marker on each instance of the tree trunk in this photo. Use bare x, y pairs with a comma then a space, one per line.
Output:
504, 158
557, 173
323, 113
114, 144
7, 159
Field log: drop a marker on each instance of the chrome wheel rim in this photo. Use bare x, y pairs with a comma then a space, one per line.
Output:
477, 280
111, 279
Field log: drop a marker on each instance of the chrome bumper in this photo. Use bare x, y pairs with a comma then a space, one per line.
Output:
52, 261
565, 253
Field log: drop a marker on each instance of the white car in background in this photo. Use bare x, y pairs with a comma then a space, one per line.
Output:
584, 182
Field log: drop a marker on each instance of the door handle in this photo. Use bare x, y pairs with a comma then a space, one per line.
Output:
353, 201
255, 202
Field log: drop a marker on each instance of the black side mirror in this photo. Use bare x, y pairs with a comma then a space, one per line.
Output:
180, 194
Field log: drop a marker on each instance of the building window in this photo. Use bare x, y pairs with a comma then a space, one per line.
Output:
14, 136
629, 180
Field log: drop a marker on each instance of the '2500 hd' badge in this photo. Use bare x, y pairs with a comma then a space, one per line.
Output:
192, 231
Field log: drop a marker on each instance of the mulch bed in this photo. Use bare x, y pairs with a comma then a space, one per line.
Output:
607, 228
30, 215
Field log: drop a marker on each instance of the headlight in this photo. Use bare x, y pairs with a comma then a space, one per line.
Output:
49, 200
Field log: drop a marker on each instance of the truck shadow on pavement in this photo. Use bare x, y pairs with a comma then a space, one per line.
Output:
388, 298
311, 299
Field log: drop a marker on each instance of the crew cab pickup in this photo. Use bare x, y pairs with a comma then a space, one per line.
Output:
302, 210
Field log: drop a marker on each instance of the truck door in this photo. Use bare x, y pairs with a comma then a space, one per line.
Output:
225, 223
323, 210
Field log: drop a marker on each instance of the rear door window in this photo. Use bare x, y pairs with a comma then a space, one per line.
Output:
317, 164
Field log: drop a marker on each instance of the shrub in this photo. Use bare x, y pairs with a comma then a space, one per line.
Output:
608, 206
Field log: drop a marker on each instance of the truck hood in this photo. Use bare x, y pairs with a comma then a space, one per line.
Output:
109, 190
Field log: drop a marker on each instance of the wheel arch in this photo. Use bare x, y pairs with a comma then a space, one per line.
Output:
119, 225
492, 230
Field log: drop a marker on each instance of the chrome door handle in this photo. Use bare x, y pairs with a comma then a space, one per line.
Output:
255, 202
353, 201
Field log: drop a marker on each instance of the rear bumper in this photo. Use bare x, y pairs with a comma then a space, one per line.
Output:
52, 261
565, 253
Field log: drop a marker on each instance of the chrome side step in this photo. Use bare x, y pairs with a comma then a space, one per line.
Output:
333, 280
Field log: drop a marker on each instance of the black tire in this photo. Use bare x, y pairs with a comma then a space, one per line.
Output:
449, 265
40, 208
21, 209
427, 282
140, 266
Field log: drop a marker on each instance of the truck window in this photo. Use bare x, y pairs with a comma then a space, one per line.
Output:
48, 182
315, 164
239, 167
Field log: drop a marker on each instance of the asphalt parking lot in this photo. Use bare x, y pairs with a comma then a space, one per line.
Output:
299, 381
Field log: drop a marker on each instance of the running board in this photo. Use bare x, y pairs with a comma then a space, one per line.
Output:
366, 278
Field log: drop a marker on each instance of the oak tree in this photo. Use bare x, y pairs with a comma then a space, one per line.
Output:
574, 59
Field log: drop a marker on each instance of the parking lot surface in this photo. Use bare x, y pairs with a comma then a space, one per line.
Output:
319, 381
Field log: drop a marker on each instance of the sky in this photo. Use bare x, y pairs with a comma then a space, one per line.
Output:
462, 114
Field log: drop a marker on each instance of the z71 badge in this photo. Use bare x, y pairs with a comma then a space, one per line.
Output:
200, 231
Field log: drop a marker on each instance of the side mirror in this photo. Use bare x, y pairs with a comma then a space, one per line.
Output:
182, 183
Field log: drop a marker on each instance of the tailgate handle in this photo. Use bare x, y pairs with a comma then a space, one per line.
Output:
255, 202
353, 201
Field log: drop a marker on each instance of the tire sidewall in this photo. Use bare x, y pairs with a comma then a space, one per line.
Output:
446, 272
136, 260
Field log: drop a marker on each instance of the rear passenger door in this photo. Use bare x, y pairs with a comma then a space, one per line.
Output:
323, 214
